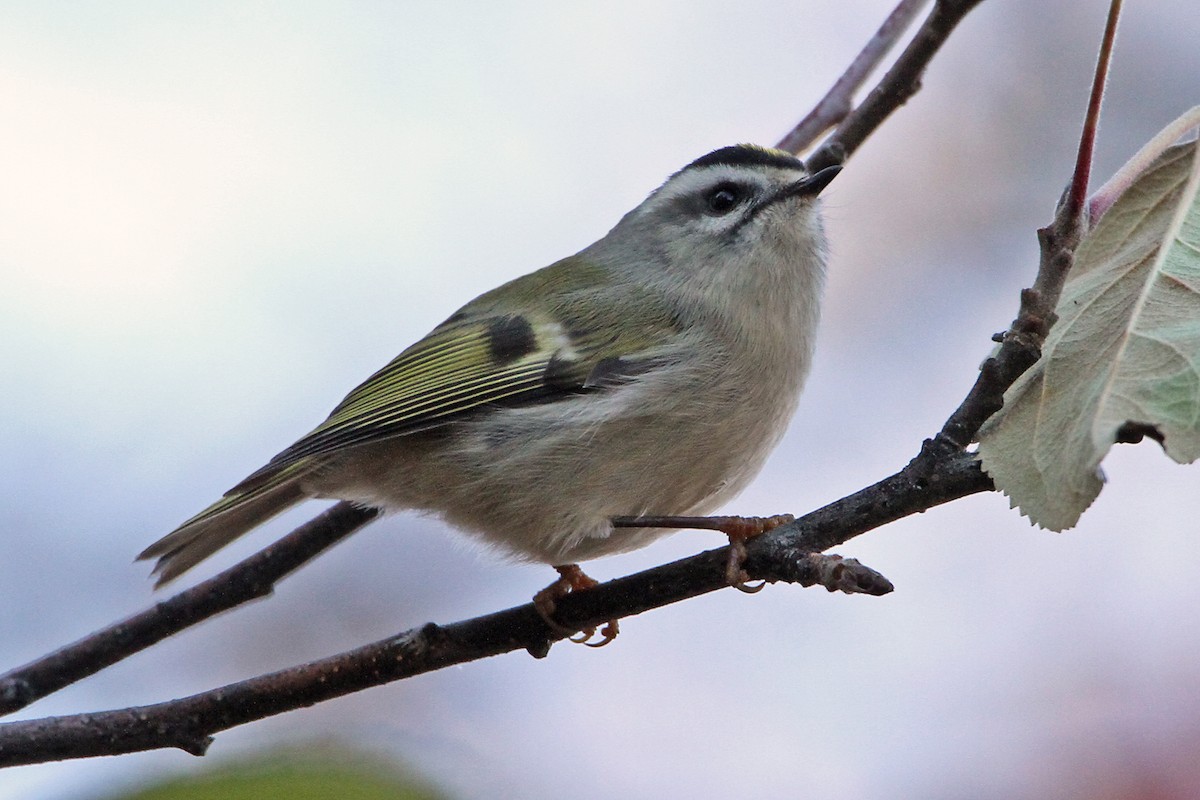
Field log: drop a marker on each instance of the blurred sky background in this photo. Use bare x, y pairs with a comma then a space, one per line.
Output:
217, 218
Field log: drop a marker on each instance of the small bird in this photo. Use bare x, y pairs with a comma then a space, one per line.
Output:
649, 374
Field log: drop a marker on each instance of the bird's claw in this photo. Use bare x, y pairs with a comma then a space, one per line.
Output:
571, 579
607, 634
739, 530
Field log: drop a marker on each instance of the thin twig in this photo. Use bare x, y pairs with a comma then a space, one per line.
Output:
900, 83
251, 579
1077, 194
839, 100
1021, 345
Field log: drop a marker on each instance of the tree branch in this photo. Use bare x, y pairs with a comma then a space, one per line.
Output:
1077, 193
251, 579
900, 83
941, 472
839, 100
256, 576
1021, 345
785, 554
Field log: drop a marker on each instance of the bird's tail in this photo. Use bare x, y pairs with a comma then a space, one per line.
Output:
236, 513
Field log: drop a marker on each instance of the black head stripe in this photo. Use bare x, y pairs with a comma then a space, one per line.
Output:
747, 155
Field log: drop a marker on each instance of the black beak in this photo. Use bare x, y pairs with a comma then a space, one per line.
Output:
809, 187
813, 184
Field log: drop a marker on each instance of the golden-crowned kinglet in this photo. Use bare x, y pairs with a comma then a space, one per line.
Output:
650, 373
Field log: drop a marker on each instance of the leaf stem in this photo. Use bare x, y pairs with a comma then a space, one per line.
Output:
1077, 194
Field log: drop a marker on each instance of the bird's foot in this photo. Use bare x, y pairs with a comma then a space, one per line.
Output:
738, 529
571, 579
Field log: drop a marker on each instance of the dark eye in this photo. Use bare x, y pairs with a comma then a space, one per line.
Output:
722, 198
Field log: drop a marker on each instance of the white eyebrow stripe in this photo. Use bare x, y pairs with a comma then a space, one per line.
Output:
692, 181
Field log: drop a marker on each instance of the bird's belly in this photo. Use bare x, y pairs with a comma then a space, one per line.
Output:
541, 483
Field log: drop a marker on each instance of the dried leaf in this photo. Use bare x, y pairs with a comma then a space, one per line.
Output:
1125, 349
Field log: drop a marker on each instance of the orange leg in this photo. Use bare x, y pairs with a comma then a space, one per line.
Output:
738, 529
571, 579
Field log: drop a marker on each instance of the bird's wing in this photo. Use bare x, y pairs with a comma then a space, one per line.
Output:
488, 356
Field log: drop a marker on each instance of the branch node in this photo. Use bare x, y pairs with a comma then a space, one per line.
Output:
430, 636
930, 455
835, 152
195, 747
806, 568
838, 574
15, 693
538, 648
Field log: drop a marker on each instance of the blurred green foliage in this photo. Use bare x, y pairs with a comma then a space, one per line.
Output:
311, 773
